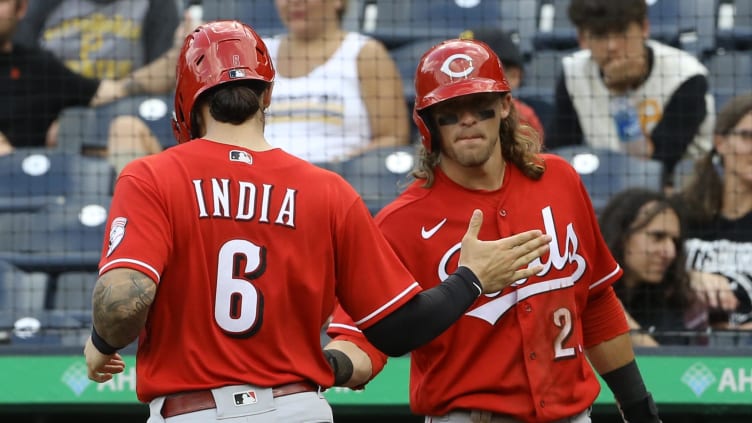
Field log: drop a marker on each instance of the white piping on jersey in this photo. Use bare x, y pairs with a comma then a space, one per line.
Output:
605, 278
345, 327
493, 310
138, 262
385, 306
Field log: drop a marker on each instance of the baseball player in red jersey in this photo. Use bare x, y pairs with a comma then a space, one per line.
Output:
225, 256
518, 355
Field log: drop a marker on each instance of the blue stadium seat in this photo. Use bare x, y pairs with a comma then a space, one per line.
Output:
729, 74
60, 236
541, 73
73, 290
606, 173
397, 22
686, 24
261, 15
21, 292
84, 128
734, 31
406, 57
554, 30
520, 19
683, 173
31, 178
379, 175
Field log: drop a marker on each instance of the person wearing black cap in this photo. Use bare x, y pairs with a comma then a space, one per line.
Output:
511, 58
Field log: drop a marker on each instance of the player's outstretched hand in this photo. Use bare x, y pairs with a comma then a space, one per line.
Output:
100, 366
499, 263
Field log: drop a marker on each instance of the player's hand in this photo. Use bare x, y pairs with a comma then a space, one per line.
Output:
497, 264
100, 366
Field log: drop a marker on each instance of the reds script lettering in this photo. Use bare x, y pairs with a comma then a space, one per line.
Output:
244, 200
493, 310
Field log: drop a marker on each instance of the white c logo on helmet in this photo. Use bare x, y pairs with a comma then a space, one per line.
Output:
452, 58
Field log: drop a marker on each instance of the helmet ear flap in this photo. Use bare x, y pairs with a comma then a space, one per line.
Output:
425, 132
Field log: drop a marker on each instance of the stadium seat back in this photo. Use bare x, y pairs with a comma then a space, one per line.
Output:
606, 173
59, 236
686, 24
32, 177
397, 22
261, 15
380, 175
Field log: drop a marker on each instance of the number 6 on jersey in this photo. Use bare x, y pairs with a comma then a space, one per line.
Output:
239, 306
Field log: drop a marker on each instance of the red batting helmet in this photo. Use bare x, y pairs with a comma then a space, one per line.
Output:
216, 53
454, 68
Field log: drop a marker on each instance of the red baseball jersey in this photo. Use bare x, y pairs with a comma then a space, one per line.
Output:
519, 352
248, 250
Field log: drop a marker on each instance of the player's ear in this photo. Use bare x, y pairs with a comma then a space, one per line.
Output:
506, 104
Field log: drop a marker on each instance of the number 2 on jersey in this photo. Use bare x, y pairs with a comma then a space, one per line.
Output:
238, 304
563, 320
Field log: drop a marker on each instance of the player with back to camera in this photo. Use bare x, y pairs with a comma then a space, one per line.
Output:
522, 354
227, 255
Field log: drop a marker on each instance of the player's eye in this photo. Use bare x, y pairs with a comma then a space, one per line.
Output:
486, 114
447, 119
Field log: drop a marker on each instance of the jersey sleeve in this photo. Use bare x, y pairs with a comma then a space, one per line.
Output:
342, 328
138, 233
371, 280
606, 270
603, 318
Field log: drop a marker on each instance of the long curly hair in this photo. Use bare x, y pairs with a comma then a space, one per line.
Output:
619, 220
704, 193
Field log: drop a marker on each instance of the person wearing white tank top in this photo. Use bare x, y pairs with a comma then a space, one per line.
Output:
336, 93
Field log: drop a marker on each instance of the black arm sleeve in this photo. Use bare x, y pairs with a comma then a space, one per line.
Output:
635, 402
565, 125
426, 315
682, 117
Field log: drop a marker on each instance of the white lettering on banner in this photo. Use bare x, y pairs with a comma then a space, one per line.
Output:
557, 259
120, 382
250, 202
446, 66
736, 380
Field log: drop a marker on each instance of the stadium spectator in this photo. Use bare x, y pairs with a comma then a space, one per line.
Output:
35, 87
625, 92
719, 198
514, 67
337, 93
643, 230
134, 41
104, 39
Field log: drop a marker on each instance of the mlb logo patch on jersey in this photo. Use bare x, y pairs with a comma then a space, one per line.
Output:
117, 233
245, 398
240, 156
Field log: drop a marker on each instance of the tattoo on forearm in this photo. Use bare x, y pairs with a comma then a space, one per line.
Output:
121, 302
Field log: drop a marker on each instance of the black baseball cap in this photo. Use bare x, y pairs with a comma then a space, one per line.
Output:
500, 42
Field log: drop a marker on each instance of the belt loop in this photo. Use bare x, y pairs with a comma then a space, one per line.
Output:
480, 416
